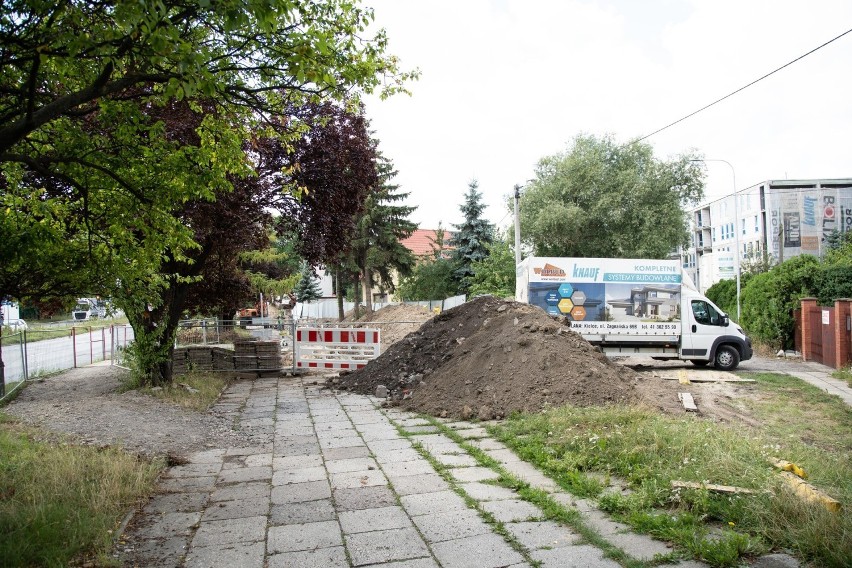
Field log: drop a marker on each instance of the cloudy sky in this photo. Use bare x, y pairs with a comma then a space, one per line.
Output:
506, 82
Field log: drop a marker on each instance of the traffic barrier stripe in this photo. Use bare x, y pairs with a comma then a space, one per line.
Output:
336, 348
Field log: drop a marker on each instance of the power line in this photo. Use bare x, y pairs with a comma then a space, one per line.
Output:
741, 88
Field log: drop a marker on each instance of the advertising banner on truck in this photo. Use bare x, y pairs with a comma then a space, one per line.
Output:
606, 295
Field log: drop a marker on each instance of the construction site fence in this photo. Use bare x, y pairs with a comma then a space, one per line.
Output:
34, 353
328, 308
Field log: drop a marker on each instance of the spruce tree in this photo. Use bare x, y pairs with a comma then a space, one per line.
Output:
307, 288
471, 238
376, 251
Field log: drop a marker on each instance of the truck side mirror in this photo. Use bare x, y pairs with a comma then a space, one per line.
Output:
726, 321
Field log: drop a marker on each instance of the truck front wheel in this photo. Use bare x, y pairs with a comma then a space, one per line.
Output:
727, 358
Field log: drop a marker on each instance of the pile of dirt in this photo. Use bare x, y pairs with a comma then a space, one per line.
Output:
490, 357
395, 321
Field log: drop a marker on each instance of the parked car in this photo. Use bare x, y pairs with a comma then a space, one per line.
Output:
15, 324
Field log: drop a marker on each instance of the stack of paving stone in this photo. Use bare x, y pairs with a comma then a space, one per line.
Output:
245, 355
268, 356
200, 358
223, 359
179, 362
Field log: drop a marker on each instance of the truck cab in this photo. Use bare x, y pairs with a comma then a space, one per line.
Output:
708, 334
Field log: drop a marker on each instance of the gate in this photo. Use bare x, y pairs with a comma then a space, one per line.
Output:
825, 332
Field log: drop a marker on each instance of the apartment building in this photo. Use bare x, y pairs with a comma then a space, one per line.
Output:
782, 218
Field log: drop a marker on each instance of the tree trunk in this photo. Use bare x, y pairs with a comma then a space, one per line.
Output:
368, 292
339, 291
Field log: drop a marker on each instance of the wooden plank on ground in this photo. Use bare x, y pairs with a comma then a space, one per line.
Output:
687, 401
711, 380
712, 487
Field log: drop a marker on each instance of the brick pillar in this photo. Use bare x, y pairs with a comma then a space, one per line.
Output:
842, 343
809, 306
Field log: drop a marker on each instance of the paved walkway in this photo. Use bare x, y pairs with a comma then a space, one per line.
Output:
338, 485
810, 372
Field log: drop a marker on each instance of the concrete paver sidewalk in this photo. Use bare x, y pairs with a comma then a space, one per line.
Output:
335, 484
813, 373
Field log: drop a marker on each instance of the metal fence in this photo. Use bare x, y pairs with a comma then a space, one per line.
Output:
30, 354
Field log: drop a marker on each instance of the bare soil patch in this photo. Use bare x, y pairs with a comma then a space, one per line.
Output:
86, 404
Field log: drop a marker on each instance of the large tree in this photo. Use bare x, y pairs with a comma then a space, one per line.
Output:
603, 199
376, 251
98, 178
495, 274
472, 236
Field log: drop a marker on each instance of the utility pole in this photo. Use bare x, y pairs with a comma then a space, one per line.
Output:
517, 225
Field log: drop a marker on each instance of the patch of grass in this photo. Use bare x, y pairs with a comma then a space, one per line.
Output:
59, 503
844, 374
799, 423
204, 389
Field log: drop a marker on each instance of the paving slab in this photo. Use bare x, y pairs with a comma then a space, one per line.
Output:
187, 484
155, 552
486, 492
246, 555
397, 443
429, 503
346, 453
300, 492
450, 460
580, 556
465, 474
376, 519
351, 464
331, 557
398, 455
168, 525
304, 512
357, 479
542, 534
438, 527
301, 475
425, 483
357, 498
405, 468
236, 509
512, 510
194, 470
488, 444
296, 462
177, 503
216, 533
384, 546
307, 536
244, 474
638, 546
482, 551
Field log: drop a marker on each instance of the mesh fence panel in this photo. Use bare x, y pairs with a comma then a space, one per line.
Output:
13, 352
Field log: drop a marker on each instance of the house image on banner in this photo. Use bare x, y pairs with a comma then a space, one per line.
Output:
644, 302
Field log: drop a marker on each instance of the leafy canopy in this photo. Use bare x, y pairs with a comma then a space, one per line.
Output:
602, 199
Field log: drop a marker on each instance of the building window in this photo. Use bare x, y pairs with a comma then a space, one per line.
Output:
714, 234
756, 224
743, 226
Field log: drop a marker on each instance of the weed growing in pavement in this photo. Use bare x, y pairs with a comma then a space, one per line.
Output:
204, 389
60, 504
844, 374
649, 450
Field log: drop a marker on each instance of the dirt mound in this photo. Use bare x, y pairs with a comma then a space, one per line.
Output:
490, 357
395, 321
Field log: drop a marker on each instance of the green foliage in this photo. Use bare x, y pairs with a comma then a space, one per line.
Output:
307, 289
724, 294
768, 299
604, 199
832, 282
494, 274
430, 280
376, 252
101, 164
472, 237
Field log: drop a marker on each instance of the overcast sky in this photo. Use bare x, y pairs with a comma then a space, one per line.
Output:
506, 82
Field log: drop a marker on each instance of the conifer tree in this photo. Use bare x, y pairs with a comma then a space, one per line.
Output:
472, 237
376, 251
308, 287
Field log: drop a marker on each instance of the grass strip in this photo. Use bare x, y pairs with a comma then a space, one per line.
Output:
61, 504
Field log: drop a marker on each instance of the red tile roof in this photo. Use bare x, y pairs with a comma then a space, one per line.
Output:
422, 241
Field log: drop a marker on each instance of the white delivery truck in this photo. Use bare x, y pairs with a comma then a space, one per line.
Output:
634, 307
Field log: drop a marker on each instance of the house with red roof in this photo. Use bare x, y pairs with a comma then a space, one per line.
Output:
424, 242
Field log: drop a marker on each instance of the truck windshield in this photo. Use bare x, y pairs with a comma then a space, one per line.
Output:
705, 313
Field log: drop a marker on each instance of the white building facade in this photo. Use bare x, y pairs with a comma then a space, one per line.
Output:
780, 218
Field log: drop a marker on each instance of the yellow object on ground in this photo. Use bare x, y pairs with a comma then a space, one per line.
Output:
784, 465
810, 493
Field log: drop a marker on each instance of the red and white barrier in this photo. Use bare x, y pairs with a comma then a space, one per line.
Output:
336, 348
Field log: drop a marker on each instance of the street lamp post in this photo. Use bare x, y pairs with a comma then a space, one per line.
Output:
736, 226
517, 225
